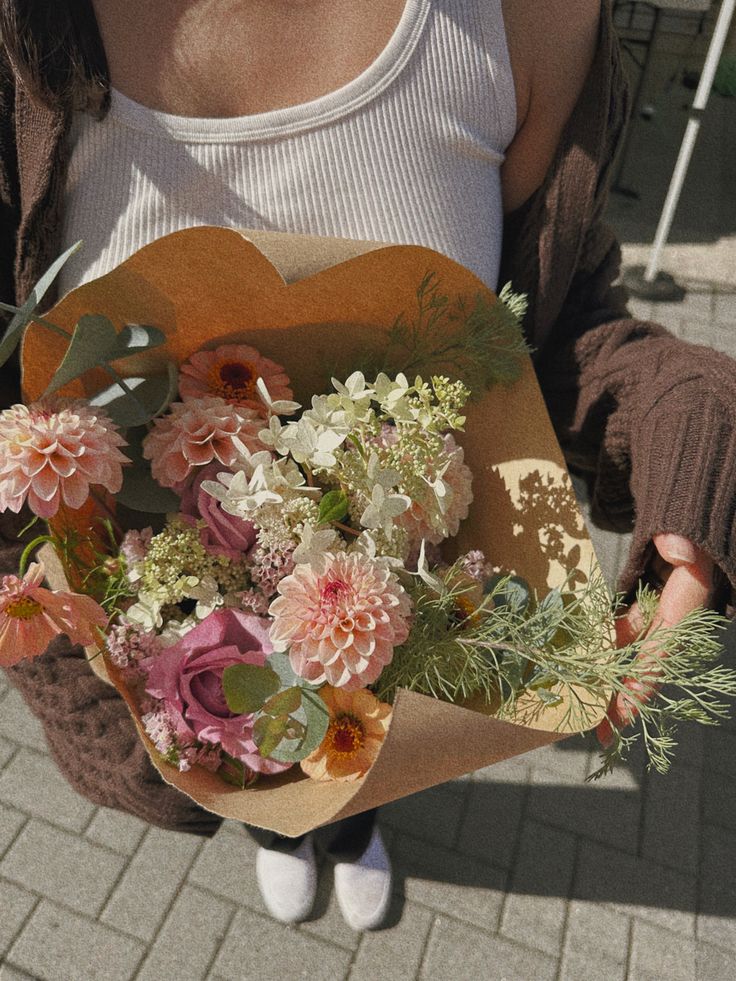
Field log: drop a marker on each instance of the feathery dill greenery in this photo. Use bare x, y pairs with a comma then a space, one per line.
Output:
561, 648
480, 345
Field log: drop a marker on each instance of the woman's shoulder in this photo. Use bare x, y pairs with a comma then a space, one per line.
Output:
552, 46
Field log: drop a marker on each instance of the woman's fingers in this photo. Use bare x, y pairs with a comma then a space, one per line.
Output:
687, 574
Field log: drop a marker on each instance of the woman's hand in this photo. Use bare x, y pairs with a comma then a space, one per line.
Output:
687, 576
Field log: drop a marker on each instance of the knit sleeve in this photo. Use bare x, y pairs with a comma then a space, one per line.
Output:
650, 419
9, 217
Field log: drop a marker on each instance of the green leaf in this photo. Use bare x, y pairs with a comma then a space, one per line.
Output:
247, 686
514, 594
284, 702
140, 492
316, 718
20, 321
134, 338
268, 733
235, 772
151, 396
94, 336
333, 507
281, 664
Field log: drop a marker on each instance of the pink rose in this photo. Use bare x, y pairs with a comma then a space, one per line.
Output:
188, 678
225, 533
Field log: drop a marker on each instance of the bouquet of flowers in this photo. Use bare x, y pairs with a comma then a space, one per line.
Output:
317, 545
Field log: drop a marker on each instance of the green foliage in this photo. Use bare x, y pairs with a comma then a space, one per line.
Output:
133, 402
560, 648
25, 315
247, 686
481, 346
333, 507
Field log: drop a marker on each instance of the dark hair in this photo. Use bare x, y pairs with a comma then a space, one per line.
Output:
55, 47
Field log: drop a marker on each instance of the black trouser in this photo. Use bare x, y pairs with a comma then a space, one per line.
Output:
349, 837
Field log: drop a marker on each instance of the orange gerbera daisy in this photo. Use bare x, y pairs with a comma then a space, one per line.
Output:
358, 726
31, 616
231, 372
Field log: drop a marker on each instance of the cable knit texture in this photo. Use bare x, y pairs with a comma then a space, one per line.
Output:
647, 418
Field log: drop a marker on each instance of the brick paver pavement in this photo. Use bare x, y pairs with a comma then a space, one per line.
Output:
520, 872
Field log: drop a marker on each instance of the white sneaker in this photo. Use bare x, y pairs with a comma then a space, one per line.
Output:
288, 881
363, 887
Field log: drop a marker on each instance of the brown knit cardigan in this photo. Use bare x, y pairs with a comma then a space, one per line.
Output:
648, 418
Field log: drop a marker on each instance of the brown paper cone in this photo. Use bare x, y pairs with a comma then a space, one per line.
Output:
318, 306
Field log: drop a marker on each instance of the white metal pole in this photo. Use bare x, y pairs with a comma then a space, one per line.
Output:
691, 134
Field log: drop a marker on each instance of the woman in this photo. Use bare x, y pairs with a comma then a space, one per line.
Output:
483, 130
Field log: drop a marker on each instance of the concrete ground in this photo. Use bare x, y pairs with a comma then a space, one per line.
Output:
520, 872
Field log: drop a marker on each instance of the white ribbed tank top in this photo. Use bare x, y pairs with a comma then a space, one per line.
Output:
408, 152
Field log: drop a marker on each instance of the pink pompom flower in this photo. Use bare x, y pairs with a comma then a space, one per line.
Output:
341, 625
197, 431
231, 372
31, 616
53, 451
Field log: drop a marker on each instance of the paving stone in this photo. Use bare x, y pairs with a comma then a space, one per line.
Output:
7, 748
712, 964
535, 907
636, 886
672, 818
595, 810
720, 751
62, 867
658, 954
16, 904
10, 824
395, 952
226, 866
725, 308
57, 944
515, 770
443, 880
18, 723
492, 820
718, 799
596, 944
268, 951
144, 894
690, 745
4, 683
717, 918
189, 938
32, 783
569, 758
434, 815
10, 973
117, 830
457, 950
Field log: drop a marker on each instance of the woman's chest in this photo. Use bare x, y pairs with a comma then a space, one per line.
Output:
219, 58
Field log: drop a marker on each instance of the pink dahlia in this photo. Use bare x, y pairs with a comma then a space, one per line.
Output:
53, 451
31, 616
231, 372
340, 626
197, 431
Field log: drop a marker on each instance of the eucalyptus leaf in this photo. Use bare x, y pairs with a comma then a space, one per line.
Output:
20, 321
94, 336
268, 733
314, 715
284, 702
234, 772
140, 492
515, 594
147, 399
247, 686
333, 507
281, 664
134, 338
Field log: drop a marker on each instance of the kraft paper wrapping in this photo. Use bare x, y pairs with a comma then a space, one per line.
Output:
318, 306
